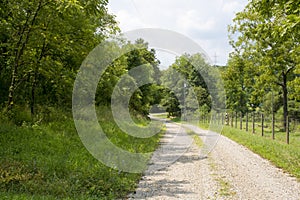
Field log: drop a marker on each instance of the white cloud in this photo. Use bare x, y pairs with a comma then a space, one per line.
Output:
128, 21
232, 6
203, 21
192, 20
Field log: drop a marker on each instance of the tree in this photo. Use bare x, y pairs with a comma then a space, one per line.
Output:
141, 55
239, 83
43, 43
171, 104
265, 35
184, 80
173, 92
193, 68
136, 65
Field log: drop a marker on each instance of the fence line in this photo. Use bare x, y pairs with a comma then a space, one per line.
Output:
266, 123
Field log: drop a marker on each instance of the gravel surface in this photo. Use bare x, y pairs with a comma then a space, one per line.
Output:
230, 171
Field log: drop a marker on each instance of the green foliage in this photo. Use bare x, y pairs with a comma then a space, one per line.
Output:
142, 56
271, 102
122, 77
238, 79
189, 90
19, 115
43, 44
172, 94
267, 42
48, 161
41, 154
171, 104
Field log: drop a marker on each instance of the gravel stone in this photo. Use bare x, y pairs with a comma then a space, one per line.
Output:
230, 171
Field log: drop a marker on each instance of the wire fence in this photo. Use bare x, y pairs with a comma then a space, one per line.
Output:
255, 123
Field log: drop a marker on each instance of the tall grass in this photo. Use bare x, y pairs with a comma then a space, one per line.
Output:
49, 161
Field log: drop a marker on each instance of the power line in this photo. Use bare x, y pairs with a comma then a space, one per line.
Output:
138, 11
215, 58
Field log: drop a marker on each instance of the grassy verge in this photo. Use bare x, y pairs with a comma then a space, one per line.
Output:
197, 140
277, 151
49, 161
160, 115
176, 119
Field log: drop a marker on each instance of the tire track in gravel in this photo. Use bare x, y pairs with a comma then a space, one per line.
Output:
230, 172
252, 176
187, 178
249, 175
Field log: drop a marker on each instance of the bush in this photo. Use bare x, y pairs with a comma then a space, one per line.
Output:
19, 115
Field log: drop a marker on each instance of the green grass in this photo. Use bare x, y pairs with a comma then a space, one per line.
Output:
204, 125
49, 161
161, 115
176, 119
197, 140
277, 151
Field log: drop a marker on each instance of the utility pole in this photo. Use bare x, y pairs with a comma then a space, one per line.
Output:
215, 59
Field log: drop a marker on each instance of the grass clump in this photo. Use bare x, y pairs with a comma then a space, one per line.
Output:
197, 140
49, 161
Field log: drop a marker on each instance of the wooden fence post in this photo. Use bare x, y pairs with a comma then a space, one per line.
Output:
253, 122
287, 130
235, 120
227, 118
247, 119
273, 125
262, 124
231, 121
241, 121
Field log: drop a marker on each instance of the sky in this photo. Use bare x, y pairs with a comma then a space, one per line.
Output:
205, 22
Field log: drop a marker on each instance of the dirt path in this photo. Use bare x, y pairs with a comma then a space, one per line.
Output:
229, 172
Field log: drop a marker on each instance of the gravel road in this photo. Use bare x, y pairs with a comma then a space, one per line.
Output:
230, 171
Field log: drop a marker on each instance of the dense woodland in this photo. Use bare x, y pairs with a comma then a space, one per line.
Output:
44, 42
41, 57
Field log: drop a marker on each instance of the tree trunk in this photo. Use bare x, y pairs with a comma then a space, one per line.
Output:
11, 90
32, 102
35, 78
20, 48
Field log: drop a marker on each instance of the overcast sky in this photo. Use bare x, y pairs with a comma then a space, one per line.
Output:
203, 21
